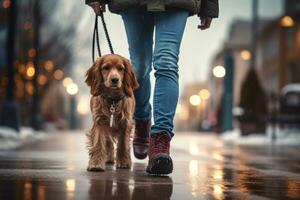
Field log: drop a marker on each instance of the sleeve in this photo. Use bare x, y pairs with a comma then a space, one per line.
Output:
90, 1
209, 8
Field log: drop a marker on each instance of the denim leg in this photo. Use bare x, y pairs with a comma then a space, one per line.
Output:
169, 30
139, 28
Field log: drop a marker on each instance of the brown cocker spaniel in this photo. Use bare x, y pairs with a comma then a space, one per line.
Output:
112, 83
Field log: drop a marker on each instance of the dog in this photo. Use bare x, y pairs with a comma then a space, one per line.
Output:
112, 83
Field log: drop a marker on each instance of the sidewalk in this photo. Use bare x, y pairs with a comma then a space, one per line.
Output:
204, 168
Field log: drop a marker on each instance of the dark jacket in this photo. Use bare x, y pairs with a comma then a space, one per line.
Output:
203, 8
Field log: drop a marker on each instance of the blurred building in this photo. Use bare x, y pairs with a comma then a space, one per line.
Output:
279, 50
3, 28
292, 6
239, 42
47, 61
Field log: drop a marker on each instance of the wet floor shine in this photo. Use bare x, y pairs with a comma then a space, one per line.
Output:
204, 168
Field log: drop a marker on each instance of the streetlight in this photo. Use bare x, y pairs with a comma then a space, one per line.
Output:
72, 90
285, 25
245, 55
287, 21
219, 71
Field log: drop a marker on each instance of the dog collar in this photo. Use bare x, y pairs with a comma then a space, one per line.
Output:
113, 99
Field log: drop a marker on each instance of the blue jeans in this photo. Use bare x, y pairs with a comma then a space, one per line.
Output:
169, 27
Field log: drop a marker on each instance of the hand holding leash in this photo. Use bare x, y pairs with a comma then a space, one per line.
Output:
98, 7
205, 23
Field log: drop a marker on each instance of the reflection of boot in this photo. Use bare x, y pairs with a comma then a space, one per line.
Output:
141, 138
162, 191
153, 188
160, 162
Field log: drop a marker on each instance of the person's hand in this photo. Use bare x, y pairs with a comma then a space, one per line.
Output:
205, 23
98, 7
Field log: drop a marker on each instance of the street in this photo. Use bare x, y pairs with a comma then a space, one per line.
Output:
204, 168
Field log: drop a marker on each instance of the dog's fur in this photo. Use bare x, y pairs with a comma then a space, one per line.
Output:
101, 137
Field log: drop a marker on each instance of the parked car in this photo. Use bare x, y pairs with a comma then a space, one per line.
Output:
289, 110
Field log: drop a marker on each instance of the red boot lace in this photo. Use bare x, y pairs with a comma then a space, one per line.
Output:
159, 143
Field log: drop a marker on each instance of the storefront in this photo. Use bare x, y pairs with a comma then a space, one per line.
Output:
3, 33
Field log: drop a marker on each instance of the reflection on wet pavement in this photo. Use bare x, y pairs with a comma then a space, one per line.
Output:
205, 168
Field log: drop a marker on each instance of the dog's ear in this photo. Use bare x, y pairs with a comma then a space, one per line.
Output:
130, 81
94, 77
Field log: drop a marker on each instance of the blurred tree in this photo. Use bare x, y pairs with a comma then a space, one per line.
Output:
253, 98
43, 44
254, 103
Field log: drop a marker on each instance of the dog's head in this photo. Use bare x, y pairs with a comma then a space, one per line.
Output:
111, 73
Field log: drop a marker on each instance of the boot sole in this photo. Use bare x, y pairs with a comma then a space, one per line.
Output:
140, 156
161, 165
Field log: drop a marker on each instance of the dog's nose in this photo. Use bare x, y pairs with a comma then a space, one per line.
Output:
114, 80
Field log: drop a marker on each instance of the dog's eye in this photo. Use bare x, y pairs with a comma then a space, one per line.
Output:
121, 69
105, 68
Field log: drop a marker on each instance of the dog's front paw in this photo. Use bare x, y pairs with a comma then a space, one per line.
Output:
95, 168
123, 164
110, 160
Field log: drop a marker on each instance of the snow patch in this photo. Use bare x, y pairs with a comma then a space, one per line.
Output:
10, 138
282, 137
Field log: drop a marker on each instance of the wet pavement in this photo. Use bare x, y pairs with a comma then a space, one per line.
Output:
204, 168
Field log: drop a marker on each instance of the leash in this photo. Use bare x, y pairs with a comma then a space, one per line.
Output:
96, 40
96, 37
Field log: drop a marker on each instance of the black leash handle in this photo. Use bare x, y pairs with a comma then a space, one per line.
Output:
96, 37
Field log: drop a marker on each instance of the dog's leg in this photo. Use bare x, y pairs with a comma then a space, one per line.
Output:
96, 148
110, 151
123, 149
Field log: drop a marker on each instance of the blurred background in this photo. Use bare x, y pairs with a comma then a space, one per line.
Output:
242, 75
239, 83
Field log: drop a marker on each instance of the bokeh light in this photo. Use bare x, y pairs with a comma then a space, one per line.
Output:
49, 65
29, 88
219, 71
67, 81
32, 53
42, 79
195, 100
287, 21
246, 55
58, 74
6, 4
83, 106
204, 94
30, 72
72, 89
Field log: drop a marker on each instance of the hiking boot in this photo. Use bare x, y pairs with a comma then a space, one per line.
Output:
160, 162
141, 138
